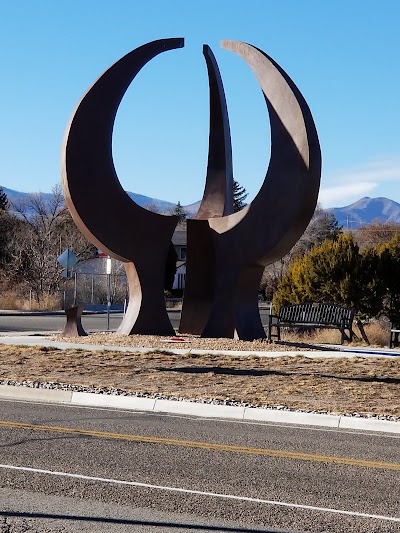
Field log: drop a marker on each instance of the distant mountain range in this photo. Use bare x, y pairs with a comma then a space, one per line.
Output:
352, 216
140, 199
367, 210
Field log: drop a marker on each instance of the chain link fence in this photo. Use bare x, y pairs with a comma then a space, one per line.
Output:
94, 290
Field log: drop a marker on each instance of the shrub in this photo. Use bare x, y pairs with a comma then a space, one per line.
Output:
335, 272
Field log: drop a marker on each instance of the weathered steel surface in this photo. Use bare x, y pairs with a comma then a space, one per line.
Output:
73, 327
226, 252
236, 248
217, 201
100, 207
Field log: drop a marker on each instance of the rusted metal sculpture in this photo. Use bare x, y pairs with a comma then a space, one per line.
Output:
218, 192
233, 250
217, 202
100, 207
226, 252
102, 210
73, 327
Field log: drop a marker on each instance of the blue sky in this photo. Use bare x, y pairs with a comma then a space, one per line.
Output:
342, 54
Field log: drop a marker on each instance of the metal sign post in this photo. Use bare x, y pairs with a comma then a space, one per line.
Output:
68, 260
108, 272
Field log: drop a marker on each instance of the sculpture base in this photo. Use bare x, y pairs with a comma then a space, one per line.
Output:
73, 327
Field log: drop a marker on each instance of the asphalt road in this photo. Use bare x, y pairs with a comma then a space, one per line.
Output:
55, 322
161, 473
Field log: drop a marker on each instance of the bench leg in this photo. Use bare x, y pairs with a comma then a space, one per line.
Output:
269, 331
344, 336
278, 332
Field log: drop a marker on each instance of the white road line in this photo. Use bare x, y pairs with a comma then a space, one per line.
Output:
201, 493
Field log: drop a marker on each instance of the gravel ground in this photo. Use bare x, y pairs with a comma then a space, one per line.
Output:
185, 341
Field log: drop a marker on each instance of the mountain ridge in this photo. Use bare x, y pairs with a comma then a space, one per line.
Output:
363, 211
367, 210
140, 199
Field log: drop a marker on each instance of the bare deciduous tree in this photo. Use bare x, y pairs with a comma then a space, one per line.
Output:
376, 233
152, 207
323, 225
43, 228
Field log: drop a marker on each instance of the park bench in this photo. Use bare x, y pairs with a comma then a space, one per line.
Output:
313, 315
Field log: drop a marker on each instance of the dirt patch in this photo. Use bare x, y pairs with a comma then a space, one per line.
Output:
346, 385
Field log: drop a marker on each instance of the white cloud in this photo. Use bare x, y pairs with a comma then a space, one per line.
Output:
349, 185
344, 194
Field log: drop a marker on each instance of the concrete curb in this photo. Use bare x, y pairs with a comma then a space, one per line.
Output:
292, 417
197, 409
35, 394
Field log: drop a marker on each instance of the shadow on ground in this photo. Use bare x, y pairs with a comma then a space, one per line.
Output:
122, 521
258, 373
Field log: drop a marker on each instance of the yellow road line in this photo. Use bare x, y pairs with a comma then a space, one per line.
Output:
282, 454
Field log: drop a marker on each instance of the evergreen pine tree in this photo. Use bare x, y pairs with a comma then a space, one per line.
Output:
3, 200
179, 212
239, 196
330, 272
388, 274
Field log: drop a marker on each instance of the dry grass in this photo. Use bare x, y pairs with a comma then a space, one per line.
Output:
14, 300
377, 334
49, 302
319, 336
11, 300
345, 385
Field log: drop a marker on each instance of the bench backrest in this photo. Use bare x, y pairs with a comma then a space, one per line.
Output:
311, 313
